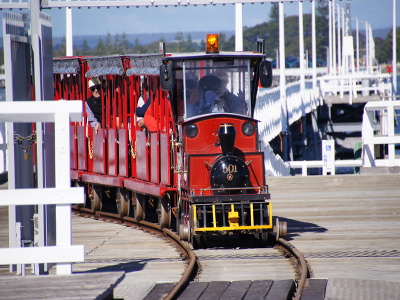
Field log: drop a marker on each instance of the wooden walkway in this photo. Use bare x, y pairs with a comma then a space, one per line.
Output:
348, 227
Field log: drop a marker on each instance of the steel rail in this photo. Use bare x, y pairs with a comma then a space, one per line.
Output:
186, 251
182, 246
304, 272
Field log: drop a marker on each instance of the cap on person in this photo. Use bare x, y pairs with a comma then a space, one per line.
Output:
93, 82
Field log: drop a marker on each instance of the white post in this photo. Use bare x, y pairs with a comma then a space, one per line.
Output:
239, 27
390, 133
63, 212
394, 58
314, 49
282, 79
333, 37
282, 76
367, 46
368, 152
358, 46
330, 45
301, 53
68, 38
339, 37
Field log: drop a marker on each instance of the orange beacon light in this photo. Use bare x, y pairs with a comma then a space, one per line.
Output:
212, 45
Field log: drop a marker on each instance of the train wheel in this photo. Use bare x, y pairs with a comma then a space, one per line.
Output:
280, 229
139, 206
164, 212
122, 202
96, 195
184, 231
198, 241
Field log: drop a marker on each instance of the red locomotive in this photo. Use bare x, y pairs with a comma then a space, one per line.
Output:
198, 159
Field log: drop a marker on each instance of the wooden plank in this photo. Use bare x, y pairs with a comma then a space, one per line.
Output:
281, 290
215, 290
236, 290
160, 291
86, 286
193, 291
258, 290
315, 289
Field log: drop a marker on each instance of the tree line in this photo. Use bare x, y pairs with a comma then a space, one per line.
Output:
269, 31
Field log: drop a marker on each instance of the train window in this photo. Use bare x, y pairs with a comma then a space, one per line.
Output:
211, 87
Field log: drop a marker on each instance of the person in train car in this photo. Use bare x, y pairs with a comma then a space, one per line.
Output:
209, 101
142, 105
233, 103
92, 119
141, 111
94, 101
193, 94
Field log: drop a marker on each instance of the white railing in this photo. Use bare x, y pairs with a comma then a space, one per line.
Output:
269, 108
61, 113
386, 134
273, 163
354, 85
306, 164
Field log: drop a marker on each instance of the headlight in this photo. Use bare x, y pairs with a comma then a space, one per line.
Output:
248, 128
191, 130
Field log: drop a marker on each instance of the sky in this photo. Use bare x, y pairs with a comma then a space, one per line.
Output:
101, 21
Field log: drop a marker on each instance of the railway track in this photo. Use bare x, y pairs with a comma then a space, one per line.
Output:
194, 267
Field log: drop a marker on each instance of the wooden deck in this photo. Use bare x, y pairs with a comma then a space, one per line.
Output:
77, 286
348, 227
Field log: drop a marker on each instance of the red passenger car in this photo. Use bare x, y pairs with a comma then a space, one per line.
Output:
198, 159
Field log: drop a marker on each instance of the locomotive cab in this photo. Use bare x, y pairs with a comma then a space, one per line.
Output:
220, 168
197, 158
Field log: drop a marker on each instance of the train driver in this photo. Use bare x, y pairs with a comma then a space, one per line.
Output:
94, 102
233, 103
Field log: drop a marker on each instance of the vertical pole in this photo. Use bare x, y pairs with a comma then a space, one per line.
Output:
330, 45
68, 38
367, 45
37, 77
394, 61
390, 132
339, 47
239, 27
282, 82
301, 53
333, 37
358, 46
314, 49
343, 35
63, 212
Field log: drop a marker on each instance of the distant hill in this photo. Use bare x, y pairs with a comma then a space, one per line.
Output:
142, 38
382, 32
147, 38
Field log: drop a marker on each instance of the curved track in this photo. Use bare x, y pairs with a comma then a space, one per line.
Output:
191, 272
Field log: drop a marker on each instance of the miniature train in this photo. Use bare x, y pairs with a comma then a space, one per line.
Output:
197, 161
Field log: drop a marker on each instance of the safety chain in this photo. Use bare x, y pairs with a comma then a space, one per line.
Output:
20, 140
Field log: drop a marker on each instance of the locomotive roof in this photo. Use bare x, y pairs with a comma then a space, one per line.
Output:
141, 64
221, 54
